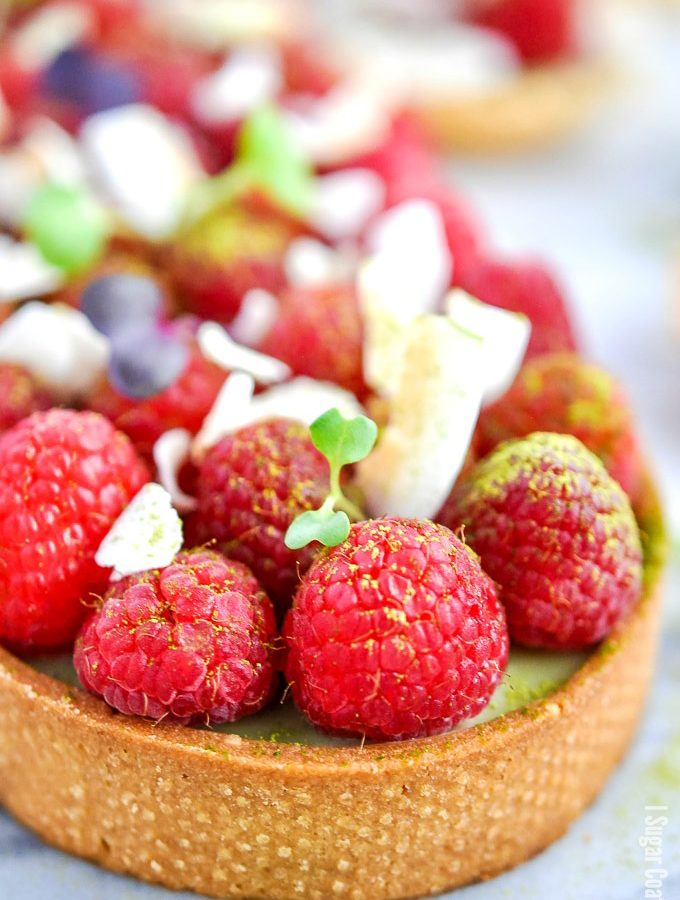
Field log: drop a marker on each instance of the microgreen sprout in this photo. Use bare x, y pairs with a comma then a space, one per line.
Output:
343, 442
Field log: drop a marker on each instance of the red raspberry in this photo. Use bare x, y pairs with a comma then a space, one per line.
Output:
65, 477
404, 155
523, 288
216, 260
557, 534
251, 486
20, 395
319, 333
184, 404
560, 392
541, 30
395, 633
192, 642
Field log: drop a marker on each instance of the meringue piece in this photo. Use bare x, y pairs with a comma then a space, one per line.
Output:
145, 165
49, 31
348, 120
25, 273
58, 344
170, 452
344, 202
407, 277
146, 535
217, 346
228, 413
248, 78
302, 399
258, 312
309, 263
433, 415
506, 335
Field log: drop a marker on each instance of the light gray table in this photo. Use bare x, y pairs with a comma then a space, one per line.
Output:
606, 209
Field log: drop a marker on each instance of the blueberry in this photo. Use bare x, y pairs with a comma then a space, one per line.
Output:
146, 361
120, 301
93, 83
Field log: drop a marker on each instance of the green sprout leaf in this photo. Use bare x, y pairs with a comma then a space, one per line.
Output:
327, 527
343, 442
267, 158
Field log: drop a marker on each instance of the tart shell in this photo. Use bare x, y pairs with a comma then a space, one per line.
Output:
230, 817
538, 107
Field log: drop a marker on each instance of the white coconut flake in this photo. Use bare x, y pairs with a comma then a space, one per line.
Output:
146, 535
59, 156
170, 452
228, 413
217, 346
406, 277
258, 312
216, 24
433, 416
144, 164
248, 77
344, 202
25, 273
302, 399
58, 344
309, 263
350, 119
49, 31
506, 335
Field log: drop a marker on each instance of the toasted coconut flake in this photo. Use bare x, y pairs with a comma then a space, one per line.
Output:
344, 202
146, 535
248, 77
170, 452
258, 312
217, 346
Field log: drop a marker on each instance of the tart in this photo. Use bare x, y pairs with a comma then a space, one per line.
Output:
235, 817
470, 79
218, 311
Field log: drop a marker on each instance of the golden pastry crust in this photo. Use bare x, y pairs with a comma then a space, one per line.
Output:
230, 817
535, 108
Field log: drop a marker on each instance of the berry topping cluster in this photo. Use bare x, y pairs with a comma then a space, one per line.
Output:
275, 420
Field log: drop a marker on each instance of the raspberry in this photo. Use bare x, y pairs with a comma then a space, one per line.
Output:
20, 395
250, 487
216, 260
191, 643
524, 288
541, 30
557, 534
65, 477
560, 392
395, 633
184, 404
319, 333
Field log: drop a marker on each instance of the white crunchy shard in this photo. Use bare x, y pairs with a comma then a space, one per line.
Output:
309, 263
258, 312
147, 535
170, 452
506, 335
406, 277
58, 344
144, 164
433, 415
344, 202
49, 31
217, 346
348, 120
25, 273
302, 399
248, 77
228, 412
